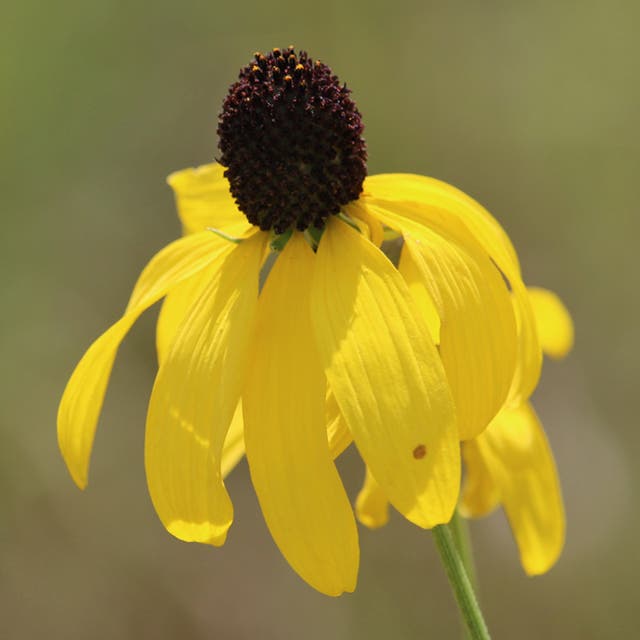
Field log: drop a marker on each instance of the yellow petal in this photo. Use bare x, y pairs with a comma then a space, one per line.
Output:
478, 338
176, 306
372, 506
519, 459
511, 439
529, 360
413, 277
338, 432
194, 398
386, 375
555, 327
82, 399
233, 449
302, 498
178, 303
370, 226
479, 495
338, 435
204, 200
441, 196
452, 213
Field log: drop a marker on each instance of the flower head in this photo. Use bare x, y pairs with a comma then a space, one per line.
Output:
339, 344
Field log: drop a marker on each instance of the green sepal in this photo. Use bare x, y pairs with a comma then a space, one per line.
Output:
345, 218
279, 241
224, 235
313, 235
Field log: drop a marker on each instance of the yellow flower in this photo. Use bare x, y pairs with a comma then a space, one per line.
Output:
510, 463
338, 345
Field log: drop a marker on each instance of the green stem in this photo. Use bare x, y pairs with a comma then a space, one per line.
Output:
460, 531
459, 581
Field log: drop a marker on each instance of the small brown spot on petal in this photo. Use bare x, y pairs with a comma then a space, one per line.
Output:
420, 452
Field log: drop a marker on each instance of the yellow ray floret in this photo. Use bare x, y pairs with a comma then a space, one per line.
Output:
372, 506
477, 334
386, 375
83, 396
449, 211
194, 398
513, 461
301, 495
203, 200
555, 327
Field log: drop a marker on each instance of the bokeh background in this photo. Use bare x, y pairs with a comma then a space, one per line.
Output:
532, 107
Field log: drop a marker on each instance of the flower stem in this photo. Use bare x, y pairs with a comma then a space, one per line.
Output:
459, 581
460, 532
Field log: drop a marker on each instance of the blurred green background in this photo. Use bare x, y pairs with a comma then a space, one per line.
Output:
532, 107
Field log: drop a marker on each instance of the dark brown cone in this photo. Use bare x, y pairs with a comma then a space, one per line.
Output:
291, 142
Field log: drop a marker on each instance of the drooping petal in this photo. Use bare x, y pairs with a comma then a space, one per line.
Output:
518, 457
372, 506
338, 432
529, 360
478, 339
444, 197
203, 200
452, 213
302, 498
413, 277
176, 307
555, 327
338, 435
233, 449
84, 394
479, 495
368, 224
386, 375
194, 398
